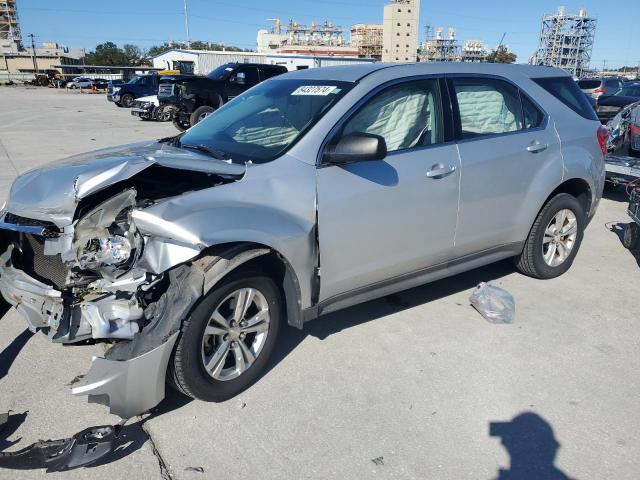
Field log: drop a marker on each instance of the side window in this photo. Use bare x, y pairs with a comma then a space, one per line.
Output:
568, 92
250, 75
269, 72
487, 106
405, 115
533, 117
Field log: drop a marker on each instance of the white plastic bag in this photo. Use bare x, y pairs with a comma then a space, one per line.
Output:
493, 303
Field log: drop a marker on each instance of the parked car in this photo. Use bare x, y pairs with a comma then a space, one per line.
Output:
113, 87
79, 82
609, 105
148, 108
596, 87
99, 83
138, 86
193, 98
309, 193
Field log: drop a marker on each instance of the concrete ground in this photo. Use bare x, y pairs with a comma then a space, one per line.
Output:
413, 386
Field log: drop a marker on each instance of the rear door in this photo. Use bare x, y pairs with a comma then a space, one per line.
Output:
510, 155
268, 71
381, 220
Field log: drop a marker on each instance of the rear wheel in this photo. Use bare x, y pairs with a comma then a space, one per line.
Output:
631, 238
200, 114
227, 340
554, 239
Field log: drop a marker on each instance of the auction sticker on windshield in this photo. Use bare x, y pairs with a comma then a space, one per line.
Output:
322, 90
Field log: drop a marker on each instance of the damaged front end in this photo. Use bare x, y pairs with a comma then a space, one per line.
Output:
83, 271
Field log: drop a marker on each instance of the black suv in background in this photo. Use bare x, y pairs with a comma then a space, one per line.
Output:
193, 98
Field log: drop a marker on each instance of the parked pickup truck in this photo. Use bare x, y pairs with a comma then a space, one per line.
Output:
193, 98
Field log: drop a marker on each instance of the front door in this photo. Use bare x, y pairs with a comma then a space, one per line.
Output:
379, 220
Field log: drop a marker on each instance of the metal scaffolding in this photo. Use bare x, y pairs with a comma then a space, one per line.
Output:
327, 34
438, 48
367, 38
566, 41
9, 25
474, 51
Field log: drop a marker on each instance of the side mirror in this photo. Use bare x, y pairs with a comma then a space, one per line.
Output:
357, 147
240, 78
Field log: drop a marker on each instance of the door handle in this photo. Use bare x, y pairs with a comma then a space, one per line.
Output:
537, 147
440, 171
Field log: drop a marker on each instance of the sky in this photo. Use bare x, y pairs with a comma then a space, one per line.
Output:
76, 23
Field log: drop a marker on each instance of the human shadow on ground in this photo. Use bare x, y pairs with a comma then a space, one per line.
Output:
532, 448
9, 354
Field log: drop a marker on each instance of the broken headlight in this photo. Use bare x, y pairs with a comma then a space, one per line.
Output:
106, 236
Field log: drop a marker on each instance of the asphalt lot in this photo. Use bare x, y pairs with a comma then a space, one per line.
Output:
405, 387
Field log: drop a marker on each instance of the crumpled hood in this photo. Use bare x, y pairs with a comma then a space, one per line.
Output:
51, 193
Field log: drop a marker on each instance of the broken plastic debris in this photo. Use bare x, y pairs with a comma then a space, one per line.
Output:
84, 448
493, 303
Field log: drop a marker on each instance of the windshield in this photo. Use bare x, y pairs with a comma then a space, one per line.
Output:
264, 122
221, 72
589, 84
134, 80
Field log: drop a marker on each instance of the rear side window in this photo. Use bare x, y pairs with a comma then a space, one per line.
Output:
589, 84
533, 117
487, 107
568, 92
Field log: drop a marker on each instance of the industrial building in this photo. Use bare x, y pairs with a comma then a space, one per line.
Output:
566, 41
367, 38
439, 47
326, 39
400, 32
202, 61
474, 51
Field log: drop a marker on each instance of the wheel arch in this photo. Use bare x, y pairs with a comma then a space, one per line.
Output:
250, 255
578, 188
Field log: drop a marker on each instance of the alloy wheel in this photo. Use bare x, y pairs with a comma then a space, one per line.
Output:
236, 333
559, 238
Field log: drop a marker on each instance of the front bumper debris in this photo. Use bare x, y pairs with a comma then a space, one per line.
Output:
84, 448
128, 387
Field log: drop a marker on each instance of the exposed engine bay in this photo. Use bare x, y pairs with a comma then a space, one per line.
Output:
89, 272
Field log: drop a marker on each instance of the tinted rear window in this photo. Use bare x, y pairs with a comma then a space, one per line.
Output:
589, 84
568, 92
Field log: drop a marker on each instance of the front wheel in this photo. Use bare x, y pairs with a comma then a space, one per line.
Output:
554, 239
227, 340
180, 123
127, 100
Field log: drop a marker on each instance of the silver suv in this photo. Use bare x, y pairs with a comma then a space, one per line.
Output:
311, 192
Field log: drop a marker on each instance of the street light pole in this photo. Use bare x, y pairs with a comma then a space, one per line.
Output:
186, 21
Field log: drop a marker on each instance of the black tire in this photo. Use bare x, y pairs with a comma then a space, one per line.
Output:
118, 104
186, 369
531, 261
631, 238
200, 113
179, 123
127, 100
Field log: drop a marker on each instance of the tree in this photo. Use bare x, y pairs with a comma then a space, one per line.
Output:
501, 55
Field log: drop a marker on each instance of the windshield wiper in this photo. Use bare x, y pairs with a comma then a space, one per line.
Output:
217, 154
